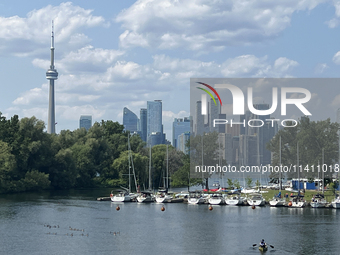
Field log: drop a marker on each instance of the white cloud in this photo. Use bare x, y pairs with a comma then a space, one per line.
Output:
336, 58
210, 25
34, 30
320, 68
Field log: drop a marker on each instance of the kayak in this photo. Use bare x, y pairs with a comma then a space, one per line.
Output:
263, 249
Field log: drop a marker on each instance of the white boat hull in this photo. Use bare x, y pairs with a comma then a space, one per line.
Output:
164, 199
235, 201
298, 204
214, 201
145, 199
336, 203
194, 200
277, 202
318, 204
121, 199
255, 202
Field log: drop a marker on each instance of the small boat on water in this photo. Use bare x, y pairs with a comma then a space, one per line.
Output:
318, 201
277, 201
297, 201
263, 248
163, 197
256, 199
122, 196
216, 199
336, 202
145, 197
235, 199
196, 197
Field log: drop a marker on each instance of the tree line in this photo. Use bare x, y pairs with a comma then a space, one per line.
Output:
31, 159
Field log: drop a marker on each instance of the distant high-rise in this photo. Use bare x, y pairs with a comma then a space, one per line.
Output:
51, 75
338, 116
85, 122
179, 126
143, 123
130, 120
154, 117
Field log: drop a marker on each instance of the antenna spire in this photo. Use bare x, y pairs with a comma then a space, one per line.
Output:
52, 36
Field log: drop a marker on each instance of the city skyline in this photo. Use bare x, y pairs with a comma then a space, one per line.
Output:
122, 54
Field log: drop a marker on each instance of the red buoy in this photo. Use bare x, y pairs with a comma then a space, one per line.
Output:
253, 207
117, 208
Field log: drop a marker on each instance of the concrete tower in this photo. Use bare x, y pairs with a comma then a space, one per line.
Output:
51, 75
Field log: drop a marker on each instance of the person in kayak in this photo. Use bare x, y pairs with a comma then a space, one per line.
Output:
262, 244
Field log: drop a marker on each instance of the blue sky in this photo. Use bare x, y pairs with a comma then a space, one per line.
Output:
115, 54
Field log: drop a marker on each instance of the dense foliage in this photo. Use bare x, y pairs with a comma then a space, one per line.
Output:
309, 144
31, 159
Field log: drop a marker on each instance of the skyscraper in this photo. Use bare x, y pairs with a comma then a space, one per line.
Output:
51, 75
130, 120
143, 123
85, 122
179, 126
154, 117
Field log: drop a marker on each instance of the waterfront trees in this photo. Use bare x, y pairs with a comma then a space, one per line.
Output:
31, 159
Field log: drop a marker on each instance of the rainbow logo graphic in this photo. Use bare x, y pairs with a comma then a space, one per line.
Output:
204, 98
208, 92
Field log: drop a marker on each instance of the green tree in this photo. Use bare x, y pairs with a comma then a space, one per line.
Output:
249, 182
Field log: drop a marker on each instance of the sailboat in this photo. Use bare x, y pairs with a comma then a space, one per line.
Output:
336, 202
297, 201
147, 196
278, 200
163, 196
125, 195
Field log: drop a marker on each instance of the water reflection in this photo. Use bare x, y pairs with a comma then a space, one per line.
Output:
145, 229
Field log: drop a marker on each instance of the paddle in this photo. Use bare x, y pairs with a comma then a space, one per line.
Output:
254, 244
271, 246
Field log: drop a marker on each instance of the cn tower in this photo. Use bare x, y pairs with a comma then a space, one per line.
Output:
51, 75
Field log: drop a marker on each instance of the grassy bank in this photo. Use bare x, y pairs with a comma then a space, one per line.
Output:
308, 194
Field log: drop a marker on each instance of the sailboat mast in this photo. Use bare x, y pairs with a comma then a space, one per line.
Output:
167, 167
297, 159
150, 185
129, 151
280, 181
323, 174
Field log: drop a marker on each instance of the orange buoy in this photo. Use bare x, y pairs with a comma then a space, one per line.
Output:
253, 207
117, 208
290, 203
210, 208
163, 208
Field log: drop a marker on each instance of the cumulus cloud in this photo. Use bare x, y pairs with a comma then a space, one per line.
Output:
34, 30
209, 25
336, 58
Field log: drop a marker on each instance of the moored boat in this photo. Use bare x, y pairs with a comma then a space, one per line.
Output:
122, 196
163, 197
297, 201
336, 202
235, 199
256, 199
318, 201
277, 200
196, 198
145, 197
216, 199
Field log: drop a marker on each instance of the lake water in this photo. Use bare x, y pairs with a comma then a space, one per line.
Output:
145, 229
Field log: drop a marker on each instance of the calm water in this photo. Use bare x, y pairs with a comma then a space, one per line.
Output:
145, 229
